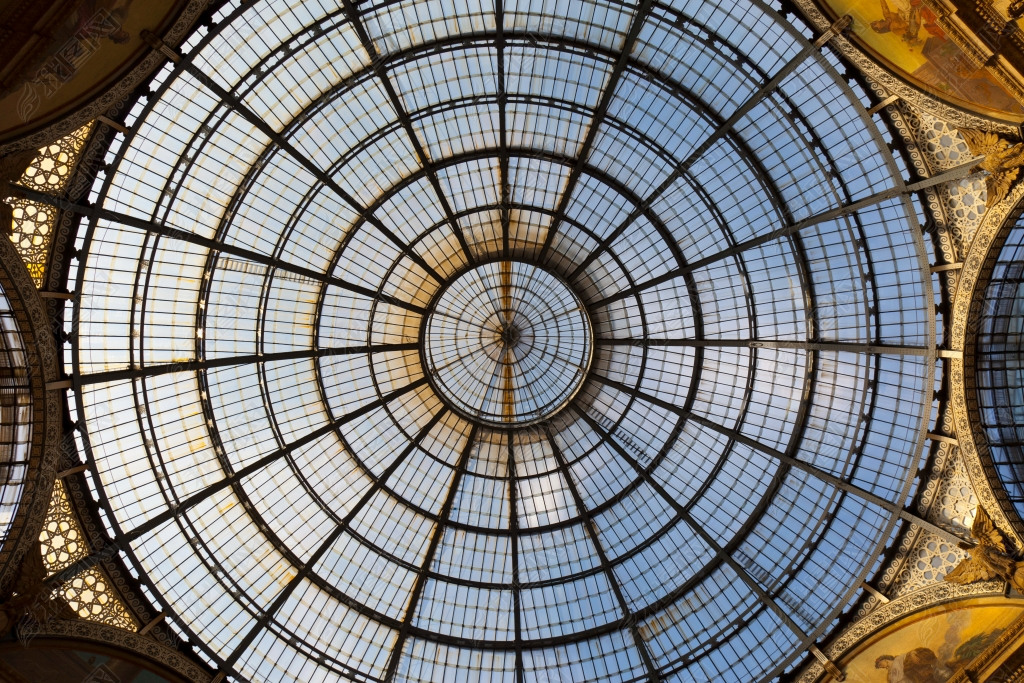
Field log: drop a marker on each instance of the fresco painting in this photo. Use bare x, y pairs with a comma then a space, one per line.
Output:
91, 40
905, 35
932, 645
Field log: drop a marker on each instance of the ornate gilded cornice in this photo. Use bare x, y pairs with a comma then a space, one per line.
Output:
44, 368
962, 326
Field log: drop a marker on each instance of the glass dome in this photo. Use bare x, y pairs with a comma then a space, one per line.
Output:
16, 416
999, 366
684, 434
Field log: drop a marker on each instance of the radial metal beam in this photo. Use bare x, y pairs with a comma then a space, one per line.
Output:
220, 362
394, 659
278, 139
513, 527
837, 347
723, 129
306, 569
790, 461
377, 64
151, 227
958, 173
503, 156
607, 95
175, 509
591, 529
681, 511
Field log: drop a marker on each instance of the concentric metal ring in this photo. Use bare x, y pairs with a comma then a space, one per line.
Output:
507, 343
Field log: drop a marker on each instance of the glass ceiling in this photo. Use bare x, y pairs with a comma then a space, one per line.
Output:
999, 365
16, 418
320, 473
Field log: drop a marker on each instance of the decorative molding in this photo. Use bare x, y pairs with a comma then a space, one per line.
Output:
890, 613
886, 83
116, 94
961, 325
47, 414
110, 635
935, 145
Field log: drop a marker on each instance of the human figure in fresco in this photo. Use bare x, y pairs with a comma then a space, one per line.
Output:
920, 665
891, 21
907, 22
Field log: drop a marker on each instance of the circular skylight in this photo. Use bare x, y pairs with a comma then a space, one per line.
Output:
531, 342
507, 344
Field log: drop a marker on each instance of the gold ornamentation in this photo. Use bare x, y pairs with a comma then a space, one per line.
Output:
32, 223
1002, 160
88, 593
990, 558
51, 168
61, 537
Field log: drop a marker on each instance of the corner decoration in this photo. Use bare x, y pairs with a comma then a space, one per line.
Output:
990, 557
1002, 161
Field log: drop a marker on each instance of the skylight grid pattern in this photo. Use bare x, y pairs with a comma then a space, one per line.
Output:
259, 342
16, 408
999, 368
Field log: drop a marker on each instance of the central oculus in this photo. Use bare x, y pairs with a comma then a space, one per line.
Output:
507, 343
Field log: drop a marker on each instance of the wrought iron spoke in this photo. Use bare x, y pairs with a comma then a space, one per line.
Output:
435, 540
377, 64
225, 361
789, 461
833, 346
173, 511
268, 614
607, 95
723, 130
168, 232
957, 173
641, 646
266, 129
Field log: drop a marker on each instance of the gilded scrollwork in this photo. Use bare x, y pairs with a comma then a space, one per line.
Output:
1001, 158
